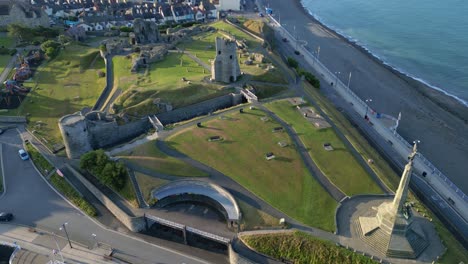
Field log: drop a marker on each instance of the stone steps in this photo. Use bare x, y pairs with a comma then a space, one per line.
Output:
28, 257
377, 240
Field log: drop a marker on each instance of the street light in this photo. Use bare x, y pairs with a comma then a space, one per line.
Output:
95, 240
336, 74
349, 79
56, 243
66, 233
367, 107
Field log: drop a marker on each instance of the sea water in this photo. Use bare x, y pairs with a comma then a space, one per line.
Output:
425, 39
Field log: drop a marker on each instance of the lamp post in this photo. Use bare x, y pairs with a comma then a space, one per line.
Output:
56, 243
367, 107
336, 74
349, 79
66, 233
95, 240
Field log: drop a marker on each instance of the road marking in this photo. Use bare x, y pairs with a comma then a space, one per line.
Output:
3, 171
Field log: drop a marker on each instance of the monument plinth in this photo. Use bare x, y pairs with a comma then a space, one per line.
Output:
392, 228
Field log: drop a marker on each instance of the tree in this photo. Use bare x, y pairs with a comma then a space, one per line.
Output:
88, 160
20, 32
51, 48
63, 40
292, 63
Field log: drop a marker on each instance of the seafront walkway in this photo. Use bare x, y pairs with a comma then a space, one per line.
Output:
453, 196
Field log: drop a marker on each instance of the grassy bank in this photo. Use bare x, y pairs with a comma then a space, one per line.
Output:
177, 80
72, 195
64, 85
41, 163
150, 157
4, 59
148, 183
299, 248
253, 218
339, 165
284, 182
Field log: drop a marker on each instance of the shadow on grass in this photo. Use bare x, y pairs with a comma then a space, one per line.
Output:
283, 159
211, 128
251, 113
227, 142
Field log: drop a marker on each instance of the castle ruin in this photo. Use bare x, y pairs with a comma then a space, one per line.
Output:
144, 32
225, 67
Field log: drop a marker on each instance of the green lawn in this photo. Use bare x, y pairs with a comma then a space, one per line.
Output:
338, 165
164, 80
201, 45
148, 183
252, 218
284, 182
6, 41
252, 42
4, 59
302, 248
65, 85
265, 90
150, 157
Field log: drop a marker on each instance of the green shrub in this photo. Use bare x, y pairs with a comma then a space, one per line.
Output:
126, 29
51, 48
41, 163
107, 171
66, 189
301, 248
292, 63
309, 77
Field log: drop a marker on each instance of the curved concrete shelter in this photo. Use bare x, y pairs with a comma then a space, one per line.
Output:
201, 188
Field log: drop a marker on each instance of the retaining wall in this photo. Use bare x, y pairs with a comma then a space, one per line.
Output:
134, 224
12, 119
235, 258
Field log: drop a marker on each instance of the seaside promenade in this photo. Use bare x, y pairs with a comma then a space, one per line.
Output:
449, 194
439, 121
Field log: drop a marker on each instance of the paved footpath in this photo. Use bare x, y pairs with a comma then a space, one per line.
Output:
39, 245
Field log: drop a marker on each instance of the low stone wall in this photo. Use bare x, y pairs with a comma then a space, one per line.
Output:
235, 258
12, 119
134, 224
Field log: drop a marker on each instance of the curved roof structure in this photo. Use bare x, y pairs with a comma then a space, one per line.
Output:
210, 190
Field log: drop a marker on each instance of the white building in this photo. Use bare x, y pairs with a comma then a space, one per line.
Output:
225, 5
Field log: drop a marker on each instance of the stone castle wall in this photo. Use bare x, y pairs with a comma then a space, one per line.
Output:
96, 130
21, 13
199, 109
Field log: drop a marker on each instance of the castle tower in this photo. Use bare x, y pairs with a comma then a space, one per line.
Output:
392, 227
225, 66
75, 136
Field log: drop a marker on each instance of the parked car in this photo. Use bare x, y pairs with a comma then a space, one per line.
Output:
6, 217
23, 154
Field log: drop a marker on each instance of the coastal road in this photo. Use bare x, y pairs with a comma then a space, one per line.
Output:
34, 203
443, 134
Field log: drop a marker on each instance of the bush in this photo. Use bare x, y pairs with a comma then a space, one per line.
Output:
66, 189
309, 77
107, 171
103, 48
126, 29
292, 63
51, 48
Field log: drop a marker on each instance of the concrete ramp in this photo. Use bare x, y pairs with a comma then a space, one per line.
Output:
251, 97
